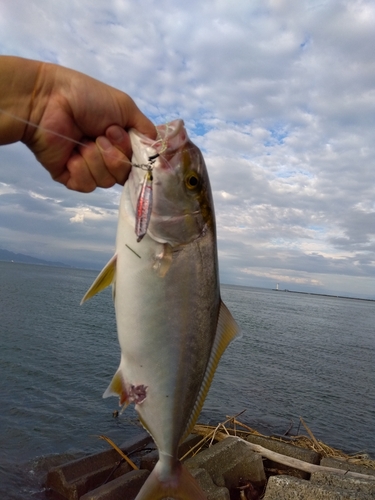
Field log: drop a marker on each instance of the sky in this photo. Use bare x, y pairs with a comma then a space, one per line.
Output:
278, 94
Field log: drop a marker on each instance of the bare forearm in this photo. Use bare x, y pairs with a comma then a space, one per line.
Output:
18, 78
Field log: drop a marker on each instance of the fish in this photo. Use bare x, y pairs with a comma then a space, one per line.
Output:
172, 324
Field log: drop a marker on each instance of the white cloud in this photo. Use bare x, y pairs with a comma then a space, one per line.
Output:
6, 189
279, 95
78, 218
85, 214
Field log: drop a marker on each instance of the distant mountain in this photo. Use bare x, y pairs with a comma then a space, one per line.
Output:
7, 256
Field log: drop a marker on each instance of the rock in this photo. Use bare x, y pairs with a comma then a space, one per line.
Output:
353, 484
346, 465
293, 488
123, 488
212, 491
189, 442
229, 461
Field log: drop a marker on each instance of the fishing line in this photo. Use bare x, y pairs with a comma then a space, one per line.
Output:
41, 128
146, 166
62, 136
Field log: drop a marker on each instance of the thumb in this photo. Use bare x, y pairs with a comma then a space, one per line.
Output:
144, 125
136, 119
119, 138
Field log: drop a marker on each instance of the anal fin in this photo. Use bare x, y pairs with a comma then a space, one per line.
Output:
117, 387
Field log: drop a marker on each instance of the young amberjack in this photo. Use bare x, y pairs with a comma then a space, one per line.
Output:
172, 325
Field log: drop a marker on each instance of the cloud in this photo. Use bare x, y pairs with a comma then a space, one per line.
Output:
278, 95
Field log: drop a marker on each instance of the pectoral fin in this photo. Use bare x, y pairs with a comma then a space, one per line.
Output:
227, 329
163, 259
104, 279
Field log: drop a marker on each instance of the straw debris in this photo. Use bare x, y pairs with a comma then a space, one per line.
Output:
234, 427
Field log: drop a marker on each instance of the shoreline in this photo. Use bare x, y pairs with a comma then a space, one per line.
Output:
322, 294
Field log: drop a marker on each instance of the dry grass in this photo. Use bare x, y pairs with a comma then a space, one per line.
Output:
233, 427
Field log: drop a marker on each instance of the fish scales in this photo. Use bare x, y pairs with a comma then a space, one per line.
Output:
172, 325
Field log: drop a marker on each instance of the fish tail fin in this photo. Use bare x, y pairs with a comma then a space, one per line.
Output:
180, 485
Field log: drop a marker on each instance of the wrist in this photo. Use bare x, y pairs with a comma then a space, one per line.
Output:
18, 86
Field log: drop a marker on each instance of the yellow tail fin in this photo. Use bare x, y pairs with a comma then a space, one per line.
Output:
180, 486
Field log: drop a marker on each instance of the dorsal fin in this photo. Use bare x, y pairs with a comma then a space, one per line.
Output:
227, 329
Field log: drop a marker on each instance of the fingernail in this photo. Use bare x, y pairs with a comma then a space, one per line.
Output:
103, 143
115, 133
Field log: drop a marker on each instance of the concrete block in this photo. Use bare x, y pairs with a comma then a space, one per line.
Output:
137, 442
123, 488
293, 488
356, 485
290, 450
189, 442
229, 461
149, 460
212, 491
74, 479
346, 465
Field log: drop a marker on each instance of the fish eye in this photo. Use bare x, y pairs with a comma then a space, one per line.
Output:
192, 180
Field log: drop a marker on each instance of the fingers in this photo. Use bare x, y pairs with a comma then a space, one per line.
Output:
119, 138
77, 175
115, 150
98, 164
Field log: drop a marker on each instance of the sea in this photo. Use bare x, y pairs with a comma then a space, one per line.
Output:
298, 356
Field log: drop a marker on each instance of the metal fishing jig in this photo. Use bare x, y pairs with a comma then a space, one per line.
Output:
144, 203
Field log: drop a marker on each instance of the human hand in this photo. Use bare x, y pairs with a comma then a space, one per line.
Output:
87, 111
77, 126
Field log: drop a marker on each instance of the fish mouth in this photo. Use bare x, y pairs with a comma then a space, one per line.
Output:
170, 137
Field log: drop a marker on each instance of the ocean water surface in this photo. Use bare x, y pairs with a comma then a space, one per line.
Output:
299, 355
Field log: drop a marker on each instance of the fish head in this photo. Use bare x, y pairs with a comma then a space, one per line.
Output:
182, 205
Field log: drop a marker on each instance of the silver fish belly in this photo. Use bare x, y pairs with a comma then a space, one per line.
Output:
172, 325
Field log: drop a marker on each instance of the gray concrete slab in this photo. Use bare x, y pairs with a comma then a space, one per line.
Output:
288, 449
293, 488
229, 461
212, 491
346, 465
123, 488
74, 479
149, 460
345, 483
